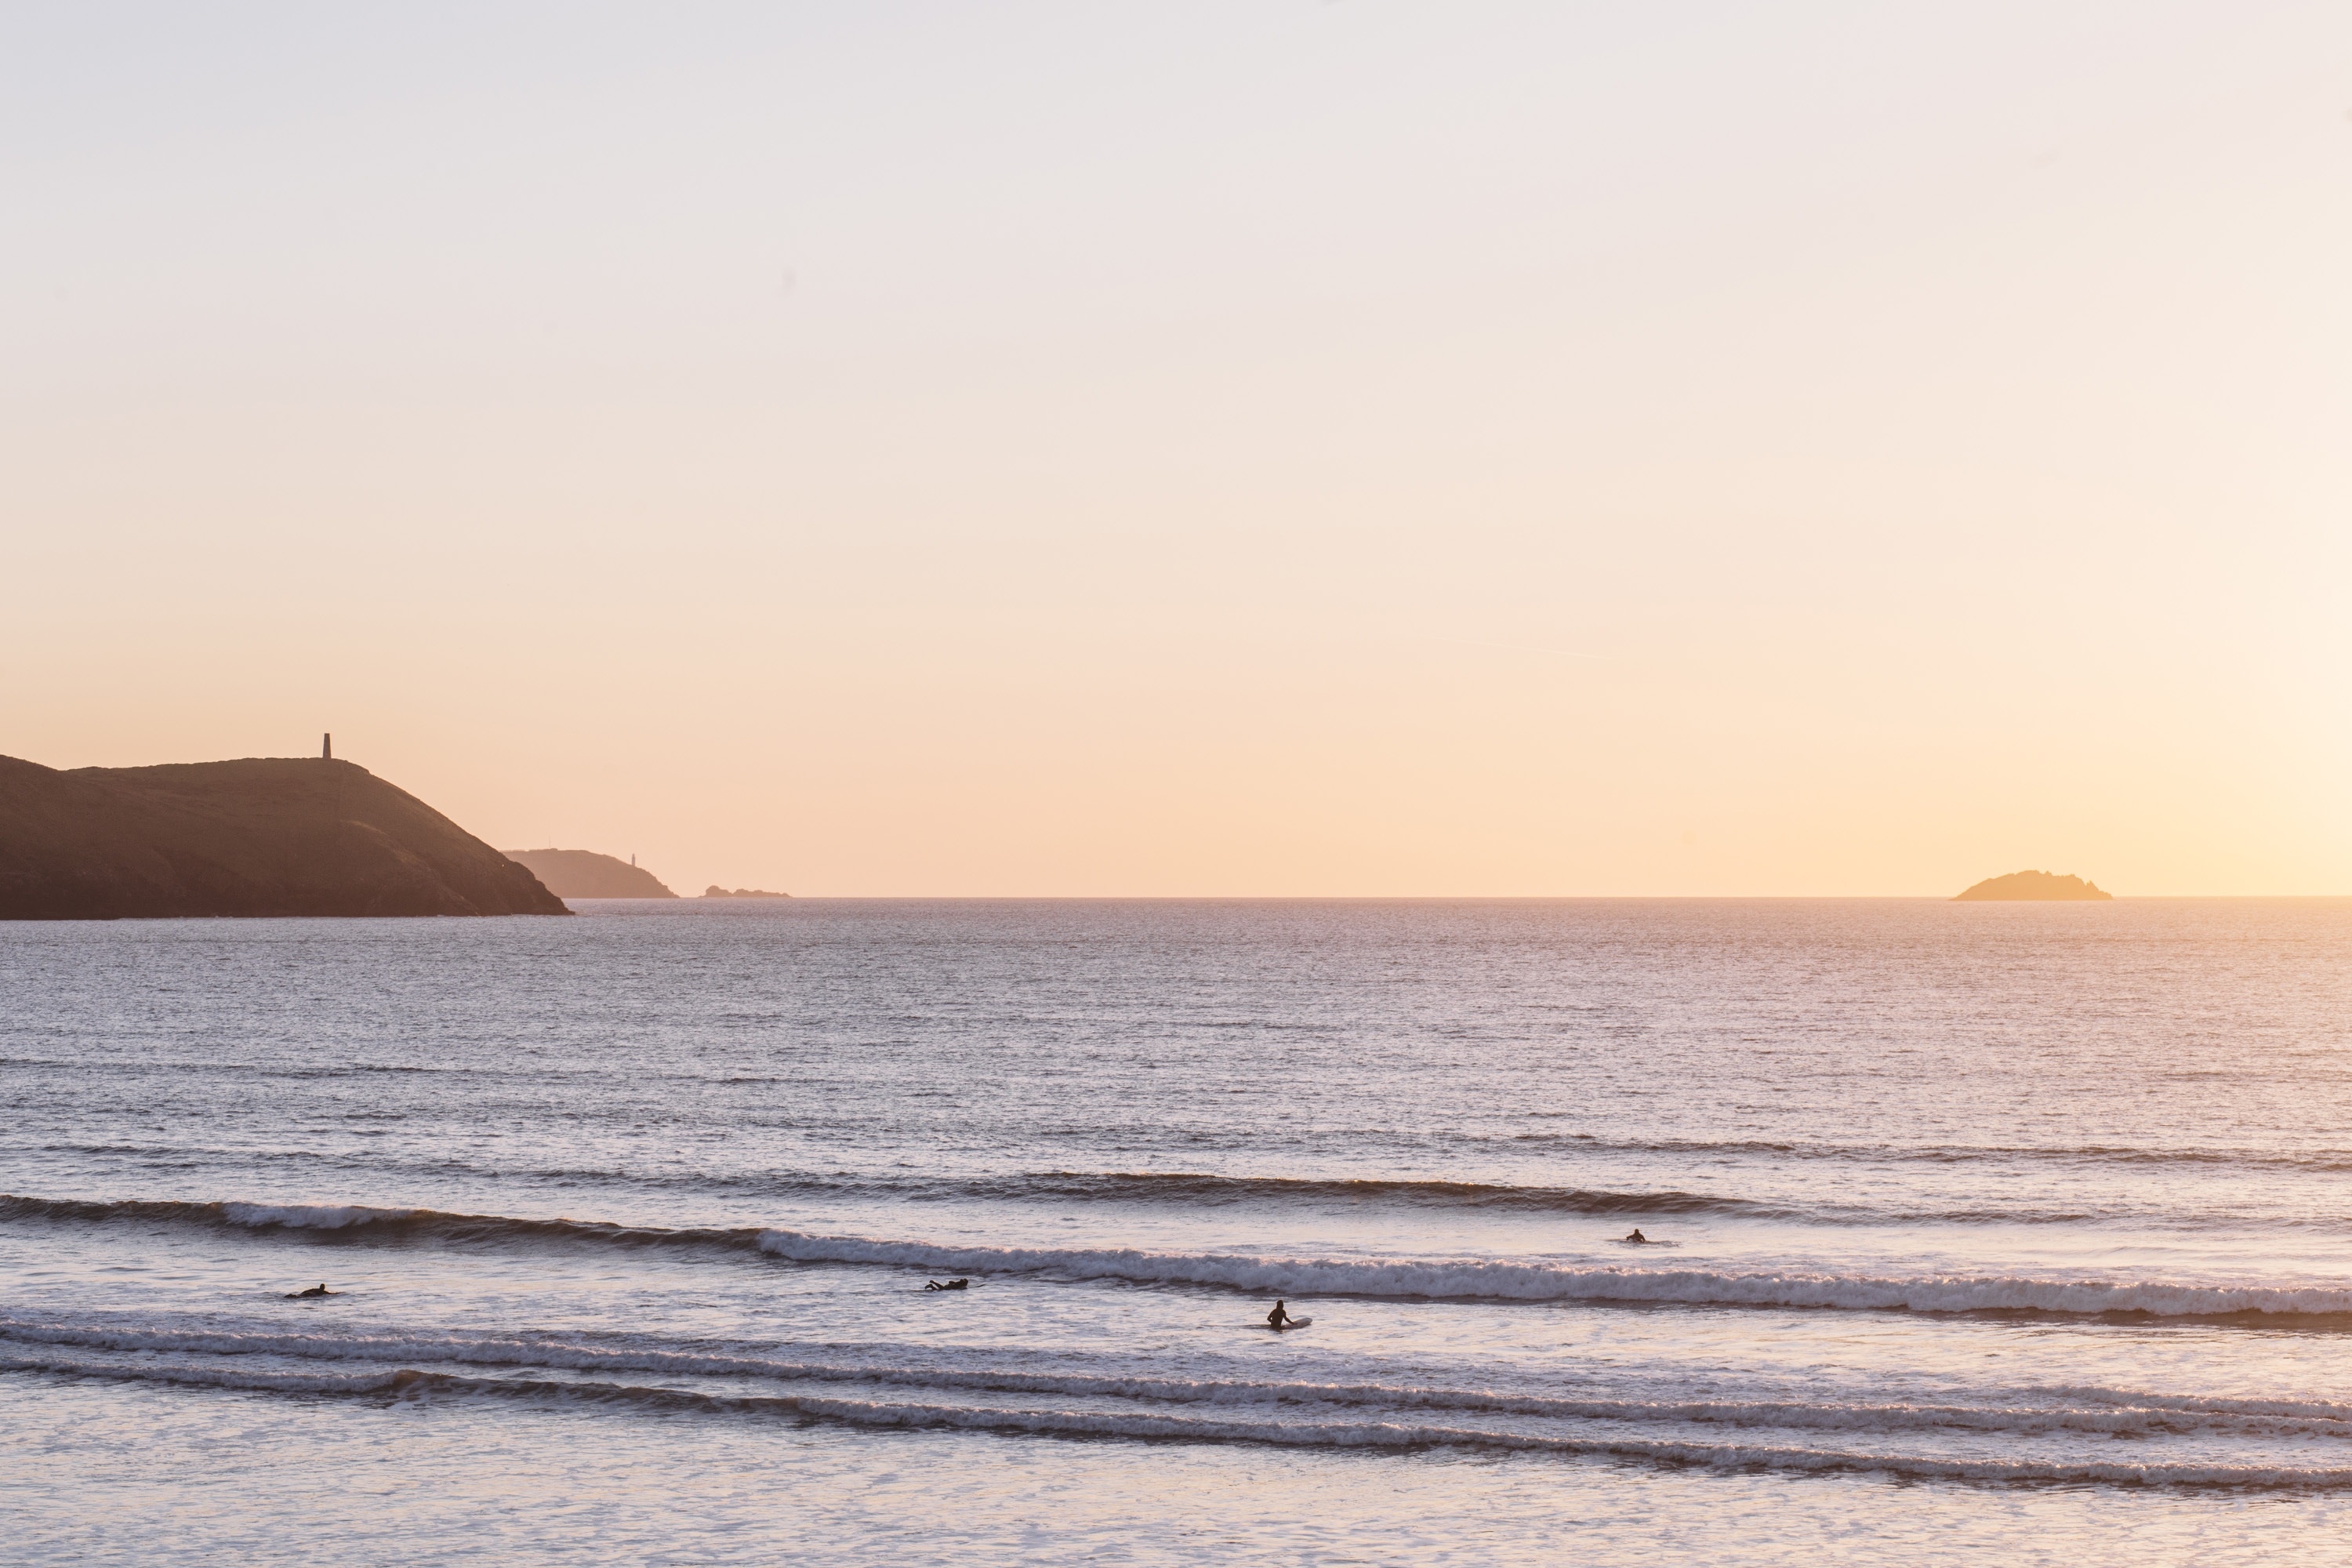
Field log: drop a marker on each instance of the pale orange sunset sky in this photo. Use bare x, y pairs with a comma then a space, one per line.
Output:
1351, 448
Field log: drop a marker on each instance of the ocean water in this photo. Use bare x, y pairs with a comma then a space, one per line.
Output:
2017, 1232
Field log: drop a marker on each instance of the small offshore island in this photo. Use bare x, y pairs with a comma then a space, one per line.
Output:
2032, 887
585, 874
259, 837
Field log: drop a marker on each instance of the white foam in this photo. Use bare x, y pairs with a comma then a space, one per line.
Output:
310, 1217
2317, 1410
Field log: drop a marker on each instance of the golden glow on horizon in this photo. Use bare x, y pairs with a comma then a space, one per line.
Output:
1341, 449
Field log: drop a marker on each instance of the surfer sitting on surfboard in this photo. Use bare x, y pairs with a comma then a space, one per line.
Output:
1278, 1317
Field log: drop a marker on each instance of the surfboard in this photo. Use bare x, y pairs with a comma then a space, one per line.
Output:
1294, 1323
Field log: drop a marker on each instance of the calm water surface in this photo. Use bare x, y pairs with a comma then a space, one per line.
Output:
2012, 1233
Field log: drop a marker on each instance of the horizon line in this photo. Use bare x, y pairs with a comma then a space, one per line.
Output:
1459, 897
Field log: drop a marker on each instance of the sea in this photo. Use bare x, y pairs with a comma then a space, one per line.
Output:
1971, 1233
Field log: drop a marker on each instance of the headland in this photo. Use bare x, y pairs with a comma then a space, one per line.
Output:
585, 874
259, 837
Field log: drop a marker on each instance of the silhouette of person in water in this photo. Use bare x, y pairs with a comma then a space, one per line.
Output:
320, 1289
951, 1285
1278, 1317
1637, 1237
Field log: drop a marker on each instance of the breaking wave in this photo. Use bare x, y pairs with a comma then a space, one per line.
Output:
1498, 1279
1457, 1278
1196, 1189
410, 1384
2317, 1161
364, 1221
2113, 1412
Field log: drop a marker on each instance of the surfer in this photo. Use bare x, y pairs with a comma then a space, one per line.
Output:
951, 1285
320, 1289
1278, 1317
1637, 1238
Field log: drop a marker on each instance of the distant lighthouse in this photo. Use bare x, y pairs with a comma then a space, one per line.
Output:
327, 747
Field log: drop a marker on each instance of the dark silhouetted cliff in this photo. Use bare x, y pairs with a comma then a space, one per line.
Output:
266, 835
2031, 886
585, 874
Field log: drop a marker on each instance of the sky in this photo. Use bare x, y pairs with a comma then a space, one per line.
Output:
1282, 448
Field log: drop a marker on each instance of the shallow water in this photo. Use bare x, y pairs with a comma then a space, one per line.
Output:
2012, 1232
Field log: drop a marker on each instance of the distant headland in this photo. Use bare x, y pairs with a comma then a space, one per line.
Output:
716, 891
262, 836
2032, 887
585, 874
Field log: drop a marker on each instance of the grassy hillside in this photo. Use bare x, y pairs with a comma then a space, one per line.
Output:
265, 835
